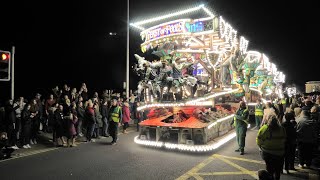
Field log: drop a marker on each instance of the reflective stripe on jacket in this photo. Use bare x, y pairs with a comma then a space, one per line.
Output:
241, 117
116, 114
258, 110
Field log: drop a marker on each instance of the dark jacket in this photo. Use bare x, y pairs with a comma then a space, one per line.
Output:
104, 111
81, 113
90, 116
58, 119
59, 123
26, 119
290, 127
306, 131
10, 114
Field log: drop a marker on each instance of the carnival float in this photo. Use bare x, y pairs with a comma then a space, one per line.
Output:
190, 92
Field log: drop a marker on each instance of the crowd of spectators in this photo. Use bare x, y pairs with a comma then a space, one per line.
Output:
68, 114
289, 131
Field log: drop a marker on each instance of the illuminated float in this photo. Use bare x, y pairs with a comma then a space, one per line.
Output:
192, 90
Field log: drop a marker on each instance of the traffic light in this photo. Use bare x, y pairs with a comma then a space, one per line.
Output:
5, 58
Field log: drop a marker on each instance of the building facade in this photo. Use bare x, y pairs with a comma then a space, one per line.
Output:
312, 86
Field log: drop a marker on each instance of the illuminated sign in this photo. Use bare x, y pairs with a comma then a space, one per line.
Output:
164, 30
195, 27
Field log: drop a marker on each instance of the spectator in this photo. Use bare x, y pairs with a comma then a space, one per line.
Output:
71, 122
81, 118
291, 141
105, 117
84, 92
125, 116
57, 94
10, 123
91, 121
306, 138
5, 151
297, 110
66, 104
268, 111
58, 131
34, 109
21, 105
66, 91
26, 126
99, 123
271, 140
40, 109
74, 95
49, 105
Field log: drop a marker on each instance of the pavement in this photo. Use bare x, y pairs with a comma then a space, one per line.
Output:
45, 143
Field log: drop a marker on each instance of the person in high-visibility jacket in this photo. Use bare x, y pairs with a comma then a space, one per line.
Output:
115, 118
258, 113
240, 121
271, 141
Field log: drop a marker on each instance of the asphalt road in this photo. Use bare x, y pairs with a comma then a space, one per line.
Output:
127, 160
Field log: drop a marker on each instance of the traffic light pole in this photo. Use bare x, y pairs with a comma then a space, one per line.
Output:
12, 73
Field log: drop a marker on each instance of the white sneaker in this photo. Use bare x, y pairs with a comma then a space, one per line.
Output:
28, 145
15, 147
31, 142
25, 147
35, 141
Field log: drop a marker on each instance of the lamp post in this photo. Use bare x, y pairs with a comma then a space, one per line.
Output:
127, 65
126, 83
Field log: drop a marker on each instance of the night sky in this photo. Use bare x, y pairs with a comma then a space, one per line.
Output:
58, 42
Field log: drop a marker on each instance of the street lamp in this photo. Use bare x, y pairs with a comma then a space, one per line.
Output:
112, 33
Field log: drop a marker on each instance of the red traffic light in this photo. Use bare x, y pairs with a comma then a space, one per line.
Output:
4, 56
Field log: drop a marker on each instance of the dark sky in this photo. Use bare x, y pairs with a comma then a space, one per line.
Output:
61, 42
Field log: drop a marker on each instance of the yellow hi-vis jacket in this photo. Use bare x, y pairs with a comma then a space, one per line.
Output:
272, 142
241, 117
258, 110
116, 114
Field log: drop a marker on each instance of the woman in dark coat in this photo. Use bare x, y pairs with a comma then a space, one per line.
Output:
26, 126
291, 141
59, 125
10, 123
